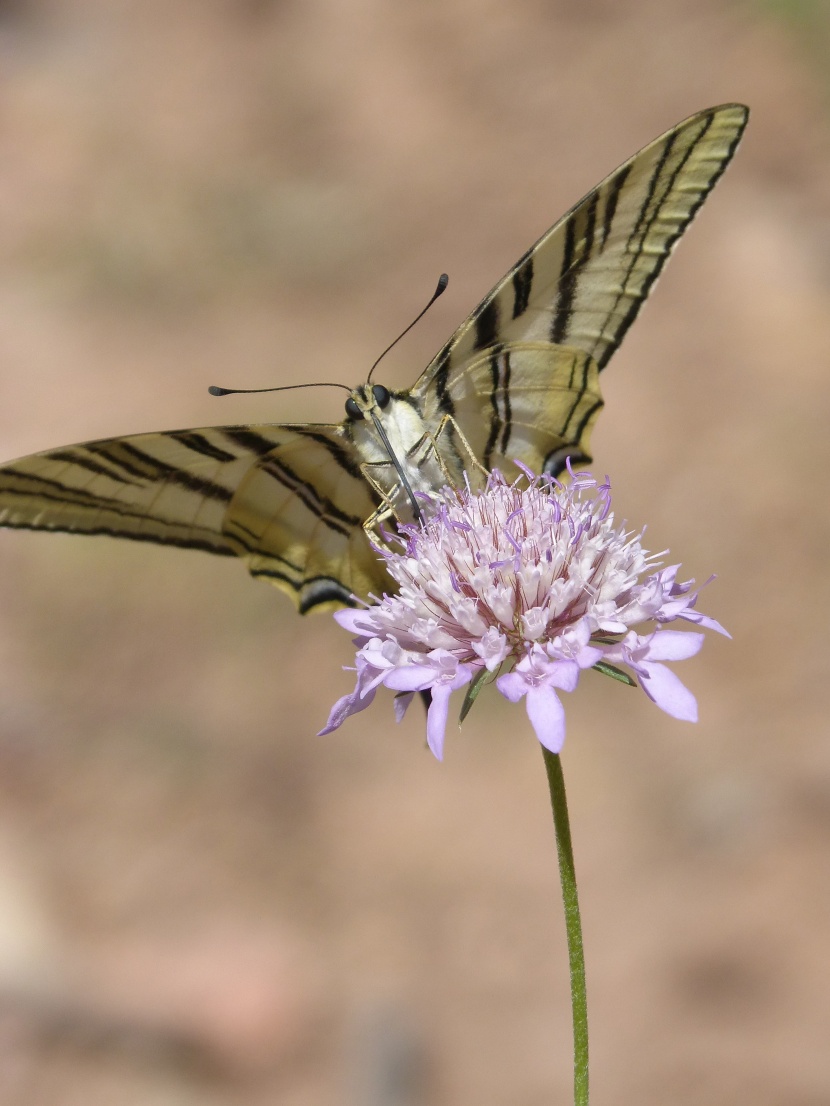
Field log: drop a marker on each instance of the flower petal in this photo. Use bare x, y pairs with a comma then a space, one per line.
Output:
347, 705
588, 657
668, 691
512, 686
401, 704
437, 718
411, 677
563, 674
706, 622
547, 716
357, 620
672, 645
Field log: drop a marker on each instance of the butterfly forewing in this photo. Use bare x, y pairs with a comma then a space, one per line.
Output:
290, 501
172, 488
584, 281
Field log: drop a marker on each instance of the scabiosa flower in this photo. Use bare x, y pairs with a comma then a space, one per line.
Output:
529, 584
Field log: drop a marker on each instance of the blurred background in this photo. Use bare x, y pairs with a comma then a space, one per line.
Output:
201, 901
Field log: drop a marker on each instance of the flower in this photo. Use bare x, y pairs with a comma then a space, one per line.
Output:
527, 584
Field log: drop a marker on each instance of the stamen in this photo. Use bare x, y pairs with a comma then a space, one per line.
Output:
511, 539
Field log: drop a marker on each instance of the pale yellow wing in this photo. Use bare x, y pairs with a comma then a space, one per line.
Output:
530, 401
289, 500
298, 514
582, 284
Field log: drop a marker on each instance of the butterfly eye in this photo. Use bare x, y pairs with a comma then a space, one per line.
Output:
352, 409
381, 395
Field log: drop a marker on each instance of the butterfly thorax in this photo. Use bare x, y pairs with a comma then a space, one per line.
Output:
396, 446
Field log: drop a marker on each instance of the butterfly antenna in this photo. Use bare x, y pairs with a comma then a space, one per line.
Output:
443, 281
215, 391
440, 288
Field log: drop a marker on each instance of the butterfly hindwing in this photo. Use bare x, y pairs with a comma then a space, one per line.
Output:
298, 514
527, 400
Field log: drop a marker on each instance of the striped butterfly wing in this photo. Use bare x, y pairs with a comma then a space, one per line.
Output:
298, 516
289, 500
529, 401
504, 375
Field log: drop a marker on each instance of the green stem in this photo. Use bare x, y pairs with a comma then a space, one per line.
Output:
573, 925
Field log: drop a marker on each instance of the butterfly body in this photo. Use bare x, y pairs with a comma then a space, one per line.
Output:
517, 382
396, 445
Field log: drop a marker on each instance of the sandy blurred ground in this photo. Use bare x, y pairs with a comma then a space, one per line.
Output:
201, 902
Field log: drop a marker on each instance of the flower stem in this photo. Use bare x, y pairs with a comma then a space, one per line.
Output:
573, 925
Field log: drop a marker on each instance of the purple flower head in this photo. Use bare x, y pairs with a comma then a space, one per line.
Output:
528, 584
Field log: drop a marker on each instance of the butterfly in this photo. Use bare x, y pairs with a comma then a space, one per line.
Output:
517, 382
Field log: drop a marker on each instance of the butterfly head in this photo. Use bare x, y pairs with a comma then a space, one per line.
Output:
366, 400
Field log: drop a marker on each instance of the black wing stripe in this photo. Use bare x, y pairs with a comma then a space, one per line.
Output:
522, 284
638, 229
565, 294
487, 325
495, 417
253, 548
181, 477
205, 544
147, 468
586, 419
52, 491
247, 533
643, 232
572, 267
82, 459
319, 505
312, 591
343, 457
566, 431
617, 185
574, 362
198, 443
442, 372
127, 471
255, 443
508, 414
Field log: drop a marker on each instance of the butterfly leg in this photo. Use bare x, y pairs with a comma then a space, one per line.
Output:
449, 425
448, 456
381, 475
386, 489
